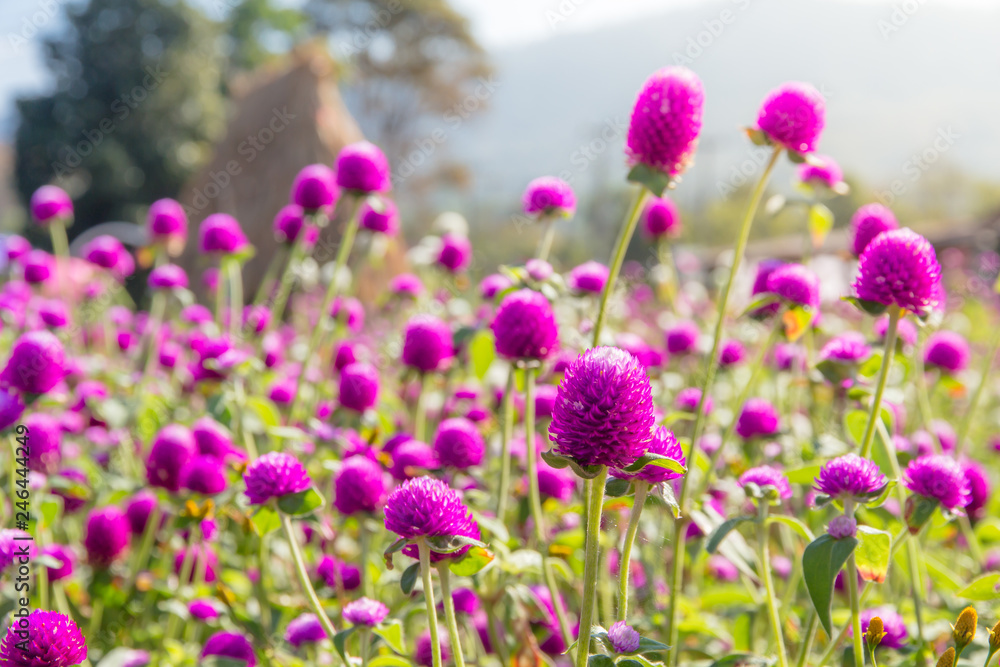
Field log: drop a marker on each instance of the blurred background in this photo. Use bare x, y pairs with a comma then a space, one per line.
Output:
218, 103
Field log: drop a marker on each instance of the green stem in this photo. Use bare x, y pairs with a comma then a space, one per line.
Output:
145, 546
303, 575
810, 636
267, 282
156, 319
365, 539
711, 366
590, 566
449, 613
618, 258
365, 639
287, 281
96, 614
851, 576
234, 275
763, 553
60, 242
545, 245
624, 563
977, 396
420, 411
432, 618
876, 413
913, 560
506, 434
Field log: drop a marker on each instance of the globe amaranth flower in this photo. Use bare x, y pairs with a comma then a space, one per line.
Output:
893, 626
221, 233
15, 546
167, 222
721, 568
204, 474
359, 486
412, 459
624, 638
554, 644
682, 338
455, 254
687, 400
524, 326
339, 575
849, 347
383, 220
37, 267
588, 277
900, 268
545, 400
350, 311
947, 351
76, 496
231, 645
458, 444
200, 558
172, 448
203, 609
666, 121
167, 277
493, 284
558, 483
407, 285
45, 442
842, 526
538, 269
11, 407
359, 386
547, 196
49, 203
363, 167
138, 509
108, 253
821, 170
423, 650
106, 536
793, 115
288, 223
795, 284
757, 419
979, 489
314, 188
274, 475
37, 363
663, 443
306, 629
64, 556
661, 218
764, 476
427, 507
868, 222
940, 478
427, 343
850, 477
53, 313
732, 353
604, 409
365, 611
43, 639
212, 439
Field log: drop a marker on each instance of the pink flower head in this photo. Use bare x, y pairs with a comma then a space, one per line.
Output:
314, 188
682, 338
624, 638
732, 353
868, 222
427, 507
108, 253
359, 486
493, 284
793, 115
365, 611
588, 277
893, 626
172, 449
106, 536
822, 170
168, 277
666, 120
221, 233
795, 284
363, 167
407, 285
687, 400
49, 203
849, 347
850, 477
757, 419
359, 386
525, 326
549, 195
412, 459
458, 444
664, 443
899, 267
306, 629
384, 220
427, 343
906, 330
274, 475
288, 223
37, 363
766, 476
166, 221
455, 254
947, 351
47, 639
939, 477
661, 218
230, 645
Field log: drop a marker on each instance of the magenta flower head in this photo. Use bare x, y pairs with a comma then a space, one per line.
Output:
49, 203
412, 459
849, 347
493, 284
45, 442
221, 233
663, 443
868, 222
37, 363
406, 285
14, 246
306, 629
314, 187
212, 438
230, 645
43, 639
15, 544
588, 277
824, 171
850, 477
935, 479
549, 196
365, 611
11, 407
765, 477
795, 284
359, 486
666, 120
682, 338
842, 526
108, 253
288, 223
660, 218
455, 254
538, 269
202, 559
427, 343
687, 400
384, 220
427, 507
168, 277
205, 475
458, 444
138, 510
172, 449
274, 475
37, 267
793, 115
900, 268
557, 483
106, 536
947, 351
757, 419
64, 556
732, 353
604, 409
363, 167
423, 650
893, 626
524, 326
979, 489
167, 222
624, 638
359, 386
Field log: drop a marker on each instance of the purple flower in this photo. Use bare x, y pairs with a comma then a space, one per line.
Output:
350, 311
545, 400
45, 443
274, 475
458, 444
358, 386
664, 443
412, 459
979, 489
49, 203
687, 400
53, 313
793, 115
666, 120
203, 609
765, 476
588, 277
722, 568
455, 254
604, 409
538, 269
11, 408
365, 611
52, 640
406, 284
849, 347
624, 638
288, 223
306, 629
76, 496
231, 645
362, 167
212, 438
383, 221
557, 483
427, 343
682, 338
549, 195
732, 353
314, 187
842, 526
493, 284
947, 351
221, 233
868, 222
204, 474
171, 450
796, 284
899, 268
138, 510
427, 507
938, 477
661, 218
15, 246
757, 419
167, 276
106, 536
201, 557
893, 625
826, 173
37, 267
423, 650
37, 363
850, 477
62, 554
524, 326
359, 486
336, 574
15, 544
108, 253
166, 221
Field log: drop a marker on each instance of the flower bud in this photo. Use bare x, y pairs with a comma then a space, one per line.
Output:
947, 659
875, 633
995, 638
841, 527
964, 630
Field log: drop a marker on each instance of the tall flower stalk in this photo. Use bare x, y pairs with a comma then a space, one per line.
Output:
618, 258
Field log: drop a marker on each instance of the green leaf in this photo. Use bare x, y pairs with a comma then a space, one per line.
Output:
600, 660
409, 578
758, 137
820, 223
482, 352
392, 634
665, 493
872, 554
821, 561
265, 520
793, 523
301, 503
389, 661
659, 460
474, 560
652, 179
855, 423
393, 548
647, 645
984, 588
803, 475
720, 533
449, 544
629, 662
870, 307
340, 640
616, 487
560, 461
265, 410
763, 301
796, 158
